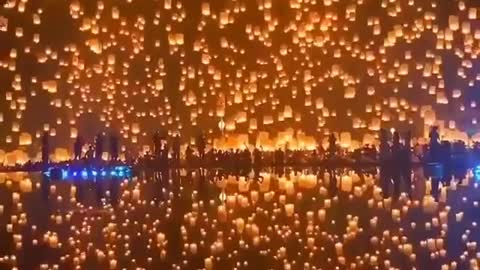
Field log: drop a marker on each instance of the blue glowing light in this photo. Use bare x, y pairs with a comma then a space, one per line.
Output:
476, 172
86, 173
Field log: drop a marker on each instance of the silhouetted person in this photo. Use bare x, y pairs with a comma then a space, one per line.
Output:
247, 159
99, 146
201, 145
406, 163
446, 159
434, 145
45, 147
384, 161
77, 148
157, 144
257, 157
90, 153
114, 147
279, 157
176, 148
189, 155
314, 158
332, 146
396, 163
163, 154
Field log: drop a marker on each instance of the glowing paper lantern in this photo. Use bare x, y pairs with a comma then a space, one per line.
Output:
135, 128
453, 22
205, 9
61, 155
25, 139
50, 86
26, 186
3, 24
289, 210
345, 139
346, 184
349, 93
2, 157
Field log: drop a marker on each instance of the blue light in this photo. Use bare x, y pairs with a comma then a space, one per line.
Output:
85, 173
476, 172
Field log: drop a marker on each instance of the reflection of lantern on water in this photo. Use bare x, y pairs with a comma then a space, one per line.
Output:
346, 183
136, 194
221, 125
26, 186
289, 209
208, 263
2, 157
222, 196
240, 225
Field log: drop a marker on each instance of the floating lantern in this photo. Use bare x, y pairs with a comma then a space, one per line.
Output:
25, 139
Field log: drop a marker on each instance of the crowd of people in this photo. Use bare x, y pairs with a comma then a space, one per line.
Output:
167, 152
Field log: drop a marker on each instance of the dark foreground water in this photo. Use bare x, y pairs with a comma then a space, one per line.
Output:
206, 220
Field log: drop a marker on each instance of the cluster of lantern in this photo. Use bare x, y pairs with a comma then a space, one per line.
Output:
264, 216
248, 78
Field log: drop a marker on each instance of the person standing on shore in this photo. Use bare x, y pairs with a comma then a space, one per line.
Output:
77, 148
45, 148
384, 161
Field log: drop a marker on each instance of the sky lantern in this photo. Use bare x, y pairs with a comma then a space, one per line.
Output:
375, 124
206, 9
429, 117
73, 133
3, 24
349, 93
25, 139
453, 23
135, 128
345, 139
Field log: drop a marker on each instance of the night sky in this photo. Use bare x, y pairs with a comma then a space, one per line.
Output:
314, 66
